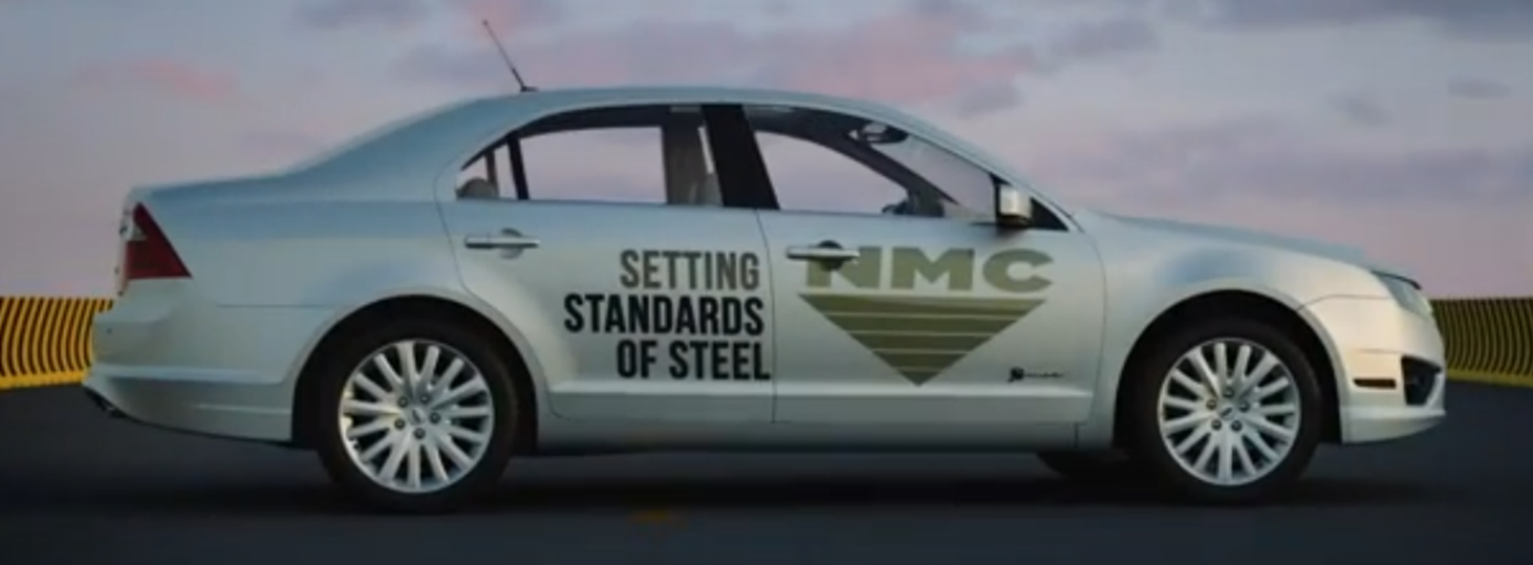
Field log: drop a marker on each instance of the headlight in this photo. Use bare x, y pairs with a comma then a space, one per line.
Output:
1407, 294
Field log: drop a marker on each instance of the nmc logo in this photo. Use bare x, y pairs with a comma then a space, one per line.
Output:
920, 332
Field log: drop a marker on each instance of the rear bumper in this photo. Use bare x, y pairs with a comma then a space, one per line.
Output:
191, 403
1390, 365
166, 359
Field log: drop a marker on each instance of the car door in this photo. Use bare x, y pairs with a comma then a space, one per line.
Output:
928, 312
644, 299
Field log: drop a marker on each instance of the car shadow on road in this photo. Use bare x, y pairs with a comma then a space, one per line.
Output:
848, 493
788, 494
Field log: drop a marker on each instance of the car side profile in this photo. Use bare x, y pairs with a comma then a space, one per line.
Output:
796, 272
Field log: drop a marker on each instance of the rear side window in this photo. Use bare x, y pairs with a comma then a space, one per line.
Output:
606, 165
634, 155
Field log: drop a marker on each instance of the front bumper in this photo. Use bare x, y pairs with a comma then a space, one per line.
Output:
1390, 365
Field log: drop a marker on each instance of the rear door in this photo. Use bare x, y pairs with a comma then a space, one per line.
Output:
644, 297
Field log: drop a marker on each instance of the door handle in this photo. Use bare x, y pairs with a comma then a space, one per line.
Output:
823, 251
506, 239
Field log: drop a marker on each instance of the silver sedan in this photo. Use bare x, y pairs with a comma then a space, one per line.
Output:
421, 305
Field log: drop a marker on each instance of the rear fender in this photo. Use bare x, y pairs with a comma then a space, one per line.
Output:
519, 339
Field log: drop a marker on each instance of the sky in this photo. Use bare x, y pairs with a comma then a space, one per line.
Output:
1403, 127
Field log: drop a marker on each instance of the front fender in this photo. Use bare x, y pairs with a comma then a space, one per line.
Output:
1136, 299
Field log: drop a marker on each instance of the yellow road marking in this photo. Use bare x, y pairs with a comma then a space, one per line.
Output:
48, 379
1501, 379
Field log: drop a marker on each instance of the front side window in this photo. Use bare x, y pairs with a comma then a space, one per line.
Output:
827, 162
808, 177
963, 182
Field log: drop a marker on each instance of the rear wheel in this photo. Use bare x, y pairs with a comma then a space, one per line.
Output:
1224, 411
416, 415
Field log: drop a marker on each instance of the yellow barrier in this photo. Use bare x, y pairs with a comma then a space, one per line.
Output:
1488, 339
46, 341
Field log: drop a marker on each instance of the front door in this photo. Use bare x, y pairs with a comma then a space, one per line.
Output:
888, 319
922, 310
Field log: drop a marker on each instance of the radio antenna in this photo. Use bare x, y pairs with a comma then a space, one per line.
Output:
520, 84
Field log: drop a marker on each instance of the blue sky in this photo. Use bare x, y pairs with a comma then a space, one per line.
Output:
1400, 126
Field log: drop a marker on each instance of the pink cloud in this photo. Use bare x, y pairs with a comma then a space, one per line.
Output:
1260, 154
507, 16
1481, 20
777, 8
183, 80
908, 56
339, 14
281, 142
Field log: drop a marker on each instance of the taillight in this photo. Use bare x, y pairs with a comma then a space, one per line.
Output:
147, 253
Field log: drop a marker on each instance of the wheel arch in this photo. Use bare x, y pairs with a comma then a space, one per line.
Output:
305, 410
1246, 304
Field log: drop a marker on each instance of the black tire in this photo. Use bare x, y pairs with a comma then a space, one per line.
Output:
1143, 414
503, 394
1106, 468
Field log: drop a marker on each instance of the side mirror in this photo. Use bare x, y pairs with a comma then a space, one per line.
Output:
1013, 208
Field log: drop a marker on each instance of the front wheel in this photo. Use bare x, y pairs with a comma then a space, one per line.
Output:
415, 415
1224, 411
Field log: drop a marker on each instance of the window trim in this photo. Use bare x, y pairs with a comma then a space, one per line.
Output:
744, 181
741, 180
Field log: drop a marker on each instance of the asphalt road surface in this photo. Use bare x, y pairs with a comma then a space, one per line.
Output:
76, 487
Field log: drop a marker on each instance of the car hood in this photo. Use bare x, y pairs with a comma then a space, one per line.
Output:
1332, 251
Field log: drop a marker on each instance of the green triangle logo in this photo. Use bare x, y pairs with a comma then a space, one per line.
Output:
920, 337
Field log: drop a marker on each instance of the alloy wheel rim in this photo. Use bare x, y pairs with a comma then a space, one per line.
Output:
416, 416
1229, 412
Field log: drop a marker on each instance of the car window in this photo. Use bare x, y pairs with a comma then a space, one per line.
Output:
826, 162
971, 187
616, 165
642, 155
812, 178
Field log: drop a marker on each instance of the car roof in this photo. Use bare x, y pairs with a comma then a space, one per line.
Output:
428, 142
